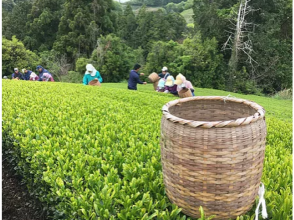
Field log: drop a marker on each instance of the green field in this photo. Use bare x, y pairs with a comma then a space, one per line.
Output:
94, 153
188, 15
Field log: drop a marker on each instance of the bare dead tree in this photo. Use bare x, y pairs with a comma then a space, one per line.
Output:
239, 39
61, 67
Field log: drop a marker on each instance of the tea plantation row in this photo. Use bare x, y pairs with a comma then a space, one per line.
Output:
93, 153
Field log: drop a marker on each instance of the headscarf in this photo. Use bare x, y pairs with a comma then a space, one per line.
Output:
33, 75
90, 67
46, 76
161, 83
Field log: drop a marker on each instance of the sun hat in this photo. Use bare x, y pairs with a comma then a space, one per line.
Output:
180, 79
170, 81
161, 83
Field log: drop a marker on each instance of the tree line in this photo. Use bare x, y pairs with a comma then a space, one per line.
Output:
65, 35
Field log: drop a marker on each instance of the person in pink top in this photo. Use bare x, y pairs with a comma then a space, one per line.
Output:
183, 83
47, 77
34, 77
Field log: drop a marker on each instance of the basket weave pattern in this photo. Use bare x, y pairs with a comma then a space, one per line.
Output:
215, 162
153, 77
155, 84
184, 93
94, 82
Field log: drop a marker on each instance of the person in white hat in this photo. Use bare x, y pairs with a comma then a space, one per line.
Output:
34, 77
17, 75
160, 86
90, 74
164, 73
183, 83
170, 86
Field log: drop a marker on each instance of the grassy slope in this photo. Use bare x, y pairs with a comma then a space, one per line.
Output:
187, 14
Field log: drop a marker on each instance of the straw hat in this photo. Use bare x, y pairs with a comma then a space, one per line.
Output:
170, 81
179, 79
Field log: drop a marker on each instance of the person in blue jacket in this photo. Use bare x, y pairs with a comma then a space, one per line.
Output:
27, 74
134, 78
41, 72
90, 74
17, 75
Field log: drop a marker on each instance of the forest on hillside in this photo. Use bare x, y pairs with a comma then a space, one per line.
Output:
235, 45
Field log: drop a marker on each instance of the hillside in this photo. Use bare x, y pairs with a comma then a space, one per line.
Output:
188, 15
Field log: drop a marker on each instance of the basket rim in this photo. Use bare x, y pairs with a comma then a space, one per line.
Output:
260, 113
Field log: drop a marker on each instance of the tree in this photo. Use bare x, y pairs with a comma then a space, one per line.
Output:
14, 54
42, 24
128, 26
164, 54
272, 44
57, 65
114, 58
240, 41
271, 37
14, 21
81, 24
198, 60
202, 63
157, 26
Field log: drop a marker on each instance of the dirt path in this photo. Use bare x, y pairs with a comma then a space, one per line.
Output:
16, 200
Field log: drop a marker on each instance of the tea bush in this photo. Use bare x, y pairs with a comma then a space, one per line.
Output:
94, 153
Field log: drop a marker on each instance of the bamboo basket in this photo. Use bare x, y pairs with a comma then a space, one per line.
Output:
184, 93
155, 84
94, 82
153, 77
212, 153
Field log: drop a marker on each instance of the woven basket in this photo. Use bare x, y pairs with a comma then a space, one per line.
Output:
155, 84
153, 77
212, 152
184, 93
94, 82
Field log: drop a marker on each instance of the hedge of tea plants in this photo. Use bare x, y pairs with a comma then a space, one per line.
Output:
94, 153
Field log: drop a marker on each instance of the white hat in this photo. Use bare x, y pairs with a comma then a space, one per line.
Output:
164, 69
15, 69
33, 75
92, 69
